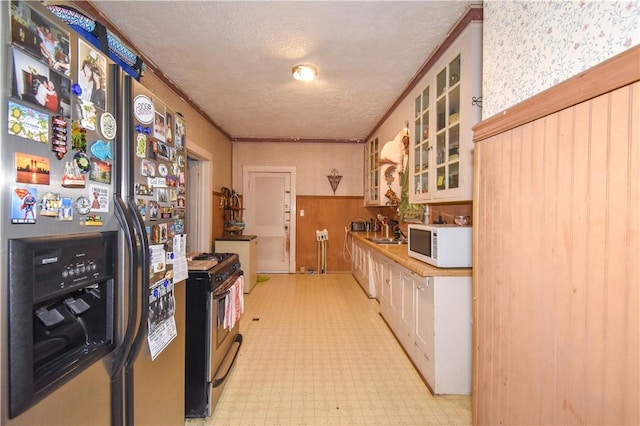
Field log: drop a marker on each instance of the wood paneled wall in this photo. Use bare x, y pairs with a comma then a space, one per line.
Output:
334, 214
556, 256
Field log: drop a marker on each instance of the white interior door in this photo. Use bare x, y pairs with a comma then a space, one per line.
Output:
267, 199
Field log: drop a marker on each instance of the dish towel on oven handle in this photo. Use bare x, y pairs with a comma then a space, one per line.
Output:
234, 303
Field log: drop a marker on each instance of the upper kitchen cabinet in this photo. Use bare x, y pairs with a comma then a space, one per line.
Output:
372, 173
447, 104
384, 165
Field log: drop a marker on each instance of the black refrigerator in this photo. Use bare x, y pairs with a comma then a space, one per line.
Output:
92, 234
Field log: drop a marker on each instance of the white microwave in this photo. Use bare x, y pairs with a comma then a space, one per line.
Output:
444, 246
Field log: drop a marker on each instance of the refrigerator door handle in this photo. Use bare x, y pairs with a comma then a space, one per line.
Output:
138, 223
121, 353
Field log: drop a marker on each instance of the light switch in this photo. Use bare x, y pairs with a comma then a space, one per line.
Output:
301, 213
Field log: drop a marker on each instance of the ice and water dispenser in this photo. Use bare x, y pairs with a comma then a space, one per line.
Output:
61, 311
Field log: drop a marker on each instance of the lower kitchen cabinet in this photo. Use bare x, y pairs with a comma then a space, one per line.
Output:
360, 266
430, 316
443, 333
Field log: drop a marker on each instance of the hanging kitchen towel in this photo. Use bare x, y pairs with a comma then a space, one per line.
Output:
234, 303
239, 296
228, 305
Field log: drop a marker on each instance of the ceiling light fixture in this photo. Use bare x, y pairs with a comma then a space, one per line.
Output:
304, 72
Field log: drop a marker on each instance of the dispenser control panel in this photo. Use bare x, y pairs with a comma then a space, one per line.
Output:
62, 264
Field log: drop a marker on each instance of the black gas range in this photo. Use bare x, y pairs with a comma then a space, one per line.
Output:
211, 344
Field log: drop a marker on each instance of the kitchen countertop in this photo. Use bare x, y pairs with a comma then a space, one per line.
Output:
398, 253
237, 238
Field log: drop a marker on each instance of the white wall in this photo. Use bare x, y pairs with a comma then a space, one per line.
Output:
529, 46
313, 162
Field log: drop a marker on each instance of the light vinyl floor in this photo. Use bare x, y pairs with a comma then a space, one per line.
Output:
316, 352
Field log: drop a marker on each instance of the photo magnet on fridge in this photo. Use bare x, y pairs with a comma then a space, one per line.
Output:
23, 204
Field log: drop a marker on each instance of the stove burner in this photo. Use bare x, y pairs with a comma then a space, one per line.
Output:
213, 256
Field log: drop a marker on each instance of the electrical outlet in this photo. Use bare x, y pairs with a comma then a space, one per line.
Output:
301, 213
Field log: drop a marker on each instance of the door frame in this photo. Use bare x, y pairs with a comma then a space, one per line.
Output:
291, 170
201, 233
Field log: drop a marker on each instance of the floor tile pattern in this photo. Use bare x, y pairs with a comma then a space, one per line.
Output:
316, 352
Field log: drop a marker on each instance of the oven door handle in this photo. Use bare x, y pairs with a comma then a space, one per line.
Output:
217, 381
224, 289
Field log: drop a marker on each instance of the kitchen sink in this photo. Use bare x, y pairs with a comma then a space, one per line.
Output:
382, 240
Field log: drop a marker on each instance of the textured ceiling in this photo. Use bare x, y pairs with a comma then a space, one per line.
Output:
234, 58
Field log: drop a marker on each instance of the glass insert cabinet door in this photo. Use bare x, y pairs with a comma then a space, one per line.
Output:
421, 146
448, 127
371, 172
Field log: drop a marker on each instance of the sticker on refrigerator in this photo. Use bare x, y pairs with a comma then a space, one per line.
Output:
153, 210
141, 145
168, 125
37, 84
164, 151
50, 204
142, 208
59, 136
65, 213
100, 171
35, 34
92, 79
108, 125
158, 126
142, 189
143, 109
83, 205
72, 178
148, 168
32, 169
78, 137
152, 149
162, 323
23, 204
163, 195
102, 150
157, 257
180, 133
28, 123
99, 198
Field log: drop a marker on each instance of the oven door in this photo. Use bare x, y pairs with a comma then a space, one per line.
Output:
224, 344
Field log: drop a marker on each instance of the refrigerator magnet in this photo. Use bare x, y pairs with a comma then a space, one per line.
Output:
102, 150
72, 177
23, 204
83, 205
162, 169
108, 125
65, 213
83, 161
143, 109
141, 145
78, 137
50, 204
